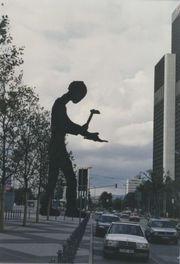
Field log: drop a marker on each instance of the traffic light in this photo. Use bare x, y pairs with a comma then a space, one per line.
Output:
115, 185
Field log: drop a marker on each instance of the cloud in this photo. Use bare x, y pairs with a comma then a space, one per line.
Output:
112, 45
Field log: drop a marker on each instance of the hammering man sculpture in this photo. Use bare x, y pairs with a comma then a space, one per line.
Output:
58, 155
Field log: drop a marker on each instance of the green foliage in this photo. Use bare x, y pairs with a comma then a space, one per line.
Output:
130, 201
19, 196
158, 190
24, 126
105, 200
117, 204
10, 60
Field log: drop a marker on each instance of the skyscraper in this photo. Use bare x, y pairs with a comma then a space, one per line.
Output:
166, 138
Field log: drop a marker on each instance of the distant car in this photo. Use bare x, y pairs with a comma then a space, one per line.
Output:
124, 215
162, 230
104, 223
126, 239
97, 215
134, 217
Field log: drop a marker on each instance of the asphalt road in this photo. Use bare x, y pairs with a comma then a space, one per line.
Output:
159, 253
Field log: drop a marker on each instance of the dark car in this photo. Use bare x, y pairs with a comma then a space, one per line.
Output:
104, 223
161, 230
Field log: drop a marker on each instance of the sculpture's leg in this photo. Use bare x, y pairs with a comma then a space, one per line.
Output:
52, 179
71, 192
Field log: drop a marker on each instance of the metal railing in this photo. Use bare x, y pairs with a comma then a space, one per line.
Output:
69, 248
12, 215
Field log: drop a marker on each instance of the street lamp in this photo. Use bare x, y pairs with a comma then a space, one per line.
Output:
172, 201
83, 188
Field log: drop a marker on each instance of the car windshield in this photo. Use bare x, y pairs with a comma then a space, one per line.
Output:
161, 224
126, 229
108, 219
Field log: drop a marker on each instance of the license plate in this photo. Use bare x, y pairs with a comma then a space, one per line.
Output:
129, 251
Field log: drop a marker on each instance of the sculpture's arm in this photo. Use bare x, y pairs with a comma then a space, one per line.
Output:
75, 129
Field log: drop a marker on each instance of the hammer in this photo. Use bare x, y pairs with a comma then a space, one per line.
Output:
93, 111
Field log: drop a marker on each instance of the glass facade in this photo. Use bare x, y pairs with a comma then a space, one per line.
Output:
159, 104
158, 136
176, 50
177, 138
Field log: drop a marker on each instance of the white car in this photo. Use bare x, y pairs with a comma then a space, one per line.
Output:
126, 239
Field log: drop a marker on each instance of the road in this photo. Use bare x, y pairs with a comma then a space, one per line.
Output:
159, 253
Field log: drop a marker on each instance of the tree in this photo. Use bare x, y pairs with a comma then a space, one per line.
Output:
42, 145
117, 204
172, 197
152, 190
130, 201
25, 151
105, 200
19, 196
10, 78
146, 192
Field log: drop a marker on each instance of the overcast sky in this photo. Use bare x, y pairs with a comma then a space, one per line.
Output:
113, 46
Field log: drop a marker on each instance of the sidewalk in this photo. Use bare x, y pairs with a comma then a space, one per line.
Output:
35, 243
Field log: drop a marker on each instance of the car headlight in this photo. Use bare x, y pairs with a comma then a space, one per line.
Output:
111, 243
142, 245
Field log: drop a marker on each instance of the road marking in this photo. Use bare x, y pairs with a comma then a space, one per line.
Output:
155, 260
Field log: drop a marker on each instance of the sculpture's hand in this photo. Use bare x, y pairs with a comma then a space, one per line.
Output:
94, 137
85, 127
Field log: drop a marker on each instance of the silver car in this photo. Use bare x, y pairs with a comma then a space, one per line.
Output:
162, 230
126, 239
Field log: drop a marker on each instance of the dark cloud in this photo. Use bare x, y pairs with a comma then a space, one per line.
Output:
63, 36
116, 150
115, 163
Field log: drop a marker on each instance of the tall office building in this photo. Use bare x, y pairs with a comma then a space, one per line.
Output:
166, 138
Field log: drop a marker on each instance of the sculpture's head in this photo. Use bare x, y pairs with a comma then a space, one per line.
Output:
77, 90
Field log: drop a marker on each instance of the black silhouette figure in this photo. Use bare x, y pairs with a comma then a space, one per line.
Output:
58, 155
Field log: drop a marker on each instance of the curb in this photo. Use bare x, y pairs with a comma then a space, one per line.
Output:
91, 243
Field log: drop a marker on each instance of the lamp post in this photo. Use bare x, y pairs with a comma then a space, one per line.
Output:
83, 189
172, 201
